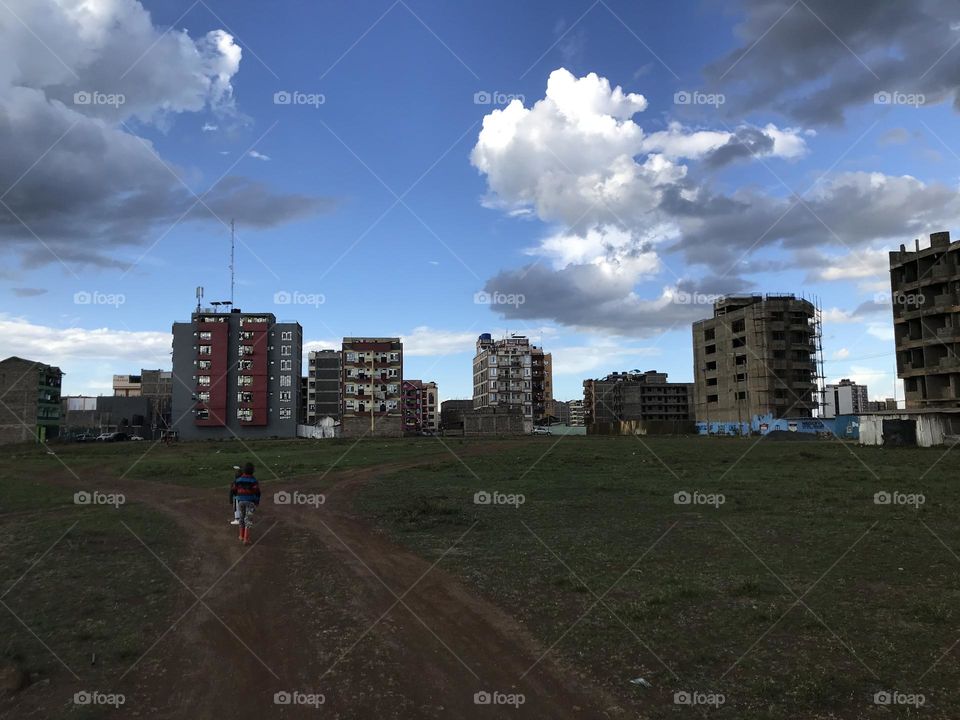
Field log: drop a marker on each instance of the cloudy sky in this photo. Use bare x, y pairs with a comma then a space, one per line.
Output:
591, 174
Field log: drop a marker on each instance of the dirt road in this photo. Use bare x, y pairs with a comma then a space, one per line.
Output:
336, 618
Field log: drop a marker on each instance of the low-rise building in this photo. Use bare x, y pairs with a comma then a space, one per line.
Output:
626, 396
29, 400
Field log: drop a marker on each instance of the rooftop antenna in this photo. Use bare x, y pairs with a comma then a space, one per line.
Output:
232, 246
199, 297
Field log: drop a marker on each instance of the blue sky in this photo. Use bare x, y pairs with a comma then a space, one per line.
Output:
423, 159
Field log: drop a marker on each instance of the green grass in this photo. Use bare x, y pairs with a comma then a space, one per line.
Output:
695, 603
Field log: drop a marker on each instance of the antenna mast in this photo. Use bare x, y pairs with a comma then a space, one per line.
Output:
232, 269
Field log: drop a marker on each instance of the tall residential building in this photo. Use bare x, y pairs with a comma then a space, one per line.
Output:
541, 380
925, 287
845, 398
576, 413
30, 407
512, 375
371, 378
757, 355
636, 396
421, 410
236, 374
323, 386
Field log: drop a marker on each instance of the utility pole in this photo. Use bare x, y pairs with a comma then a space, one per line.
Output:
371, 391
232, 269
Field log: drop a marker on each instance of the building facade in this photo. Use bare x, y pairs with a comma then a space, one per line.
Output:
844, 398
758, 355
236, 374
30, 407
371, 380
557, 411
512, 374
127, 385
323, 386
925, 292
636, 396
421, 409
576, 413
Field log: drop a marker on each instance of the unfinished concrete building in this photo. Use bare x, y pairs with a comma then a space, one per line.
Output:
635, 396
925, 287
757, 356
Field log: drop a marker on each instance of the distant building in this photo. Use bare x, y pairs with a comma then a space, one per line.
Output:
925, 290
452, 413
127, 385
756, 356
371, 379
29, 401
236, 375
324, 382
421, 410
575, 408
881, 405
558, 411
625, 396
512, 373
157, 386
844, 398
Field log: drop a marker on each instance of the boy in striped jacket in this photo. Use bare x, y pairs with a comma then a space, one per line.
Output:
246, 490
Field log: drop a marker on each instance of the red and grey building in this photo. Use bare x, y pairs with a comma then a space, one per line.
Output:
236, 374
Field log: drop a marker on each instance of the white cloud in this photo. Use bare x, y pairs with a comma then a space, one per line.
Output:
423, 341
258, 155
841, 354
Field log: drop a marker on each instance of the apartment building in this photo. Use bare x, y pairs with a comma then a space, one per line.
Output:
371, 380
623, 396
30, 395
576, 410
757, 356
558, 411
504, 376
925, 292
541, 381
126, 386
236, 374
323, 385
845, 398
421, 411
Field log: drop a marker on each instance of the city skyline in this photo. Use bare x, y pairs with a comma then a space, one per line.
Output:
384, 171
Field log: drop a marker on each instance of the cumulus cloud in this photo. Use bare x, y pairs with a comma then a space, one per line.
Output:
619, 203
816, 59
75, 78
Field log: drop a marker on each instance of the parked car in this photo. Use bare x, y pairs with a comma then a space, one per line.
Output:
541, 431
135, 437
85, 437
112, 437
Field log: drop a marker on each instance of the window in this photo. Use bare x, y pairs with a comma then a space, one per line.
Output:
741, 377
741, 395
286, 413
711, 382
392, 372
286, 381
205, 349
246, 350
741, 359
245, 365
204, 364
246, 335
739, 342
203, 396
710, 349
738, 326
203, 414
244, 397
712, 365
203, 380
709, 334
245, 414
394, 357
286, 335
286, 396
286, 364
285, 350
206, 335
244, 380
351, 357
712, 398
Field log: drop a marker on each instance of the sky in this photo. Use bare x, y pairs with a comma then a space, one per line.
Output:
592, 174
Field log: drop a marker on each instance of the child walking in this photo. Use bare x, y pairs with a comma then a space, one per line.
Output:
233, 495
247, 491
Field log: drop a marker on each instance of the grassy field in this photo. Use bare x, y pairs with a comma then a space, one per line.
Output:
703, 598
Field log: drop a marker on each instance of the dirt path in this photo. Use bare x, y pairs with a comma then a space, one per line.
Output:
323, 604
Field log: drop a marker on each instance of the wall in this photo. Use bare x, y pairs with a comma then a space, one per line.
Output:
931, 428
384, 426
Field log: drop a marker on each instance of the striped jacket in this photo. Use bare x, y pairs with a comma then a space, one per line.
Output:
246, 489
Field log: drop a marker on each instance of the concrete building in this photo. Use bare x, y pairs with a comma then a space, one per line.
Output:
323, 386
576, 413
925, 292
881, 405
844, 398
29, 401
421, 410
236, 374
758, 355
512, 373
624, 396
451, 415
557, 411
127, 385
371, 380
